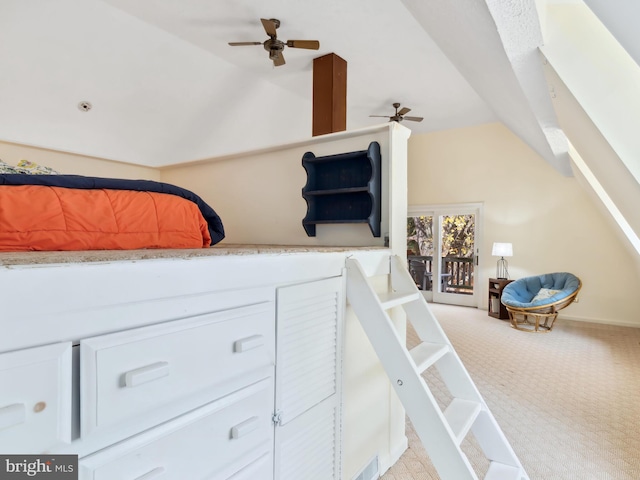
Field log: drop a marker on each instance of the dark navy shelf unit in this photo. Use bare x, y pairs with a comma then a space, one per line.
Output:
343, 188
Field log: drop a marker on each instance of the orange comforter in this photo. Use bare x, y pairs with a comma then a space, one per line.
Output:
34, 217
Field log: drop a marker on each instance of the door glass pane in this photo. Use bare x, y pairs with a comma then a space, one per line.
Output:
420, 250
457, 237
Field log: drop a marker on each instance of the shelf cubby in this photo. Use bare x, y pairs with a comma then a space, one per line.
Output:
343, 188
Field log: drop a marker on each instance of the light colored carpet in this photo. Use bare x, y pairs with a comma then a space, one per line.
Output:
568, 400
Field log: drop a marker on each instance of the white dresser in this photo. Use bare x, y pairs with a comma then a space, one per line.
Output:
207, 367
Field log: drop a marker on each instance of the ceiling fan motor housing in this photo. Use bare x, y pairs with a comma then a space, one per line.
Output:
273, 46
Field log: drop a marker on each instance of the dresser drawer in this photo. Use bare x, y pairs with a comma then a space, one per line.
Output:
144, 376
261, 469
35, 399
213, 442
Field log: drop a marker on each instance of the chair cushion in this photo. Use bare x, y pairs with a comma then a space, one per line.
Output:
543, 294
522, 293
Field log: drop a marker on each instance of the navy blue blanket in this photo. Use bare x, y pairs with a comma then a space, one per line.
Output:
216, 230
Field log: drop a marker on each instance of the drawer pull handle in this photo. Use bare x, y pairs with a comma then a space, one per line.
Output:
245, 427
12, 415
155, 473
146, 374
248, 343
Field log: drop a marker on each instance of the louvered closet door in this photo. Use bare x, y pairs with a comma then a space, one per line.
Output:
308, 380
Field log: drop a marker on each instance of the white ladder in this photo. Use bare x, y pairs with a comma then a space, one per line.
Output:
441, 432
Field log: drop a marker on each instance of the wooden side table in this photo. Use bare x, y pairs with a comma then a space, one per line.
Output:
496, 308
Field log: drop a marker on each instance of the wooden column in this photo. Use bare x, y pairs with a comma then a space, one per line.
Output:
329, 94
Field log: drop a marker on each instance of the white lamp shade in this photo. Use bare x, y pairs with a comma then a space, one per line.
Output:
502, 250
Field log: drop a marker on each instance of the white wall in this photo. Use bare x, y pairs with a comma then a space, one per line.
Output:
553, 224
606, 174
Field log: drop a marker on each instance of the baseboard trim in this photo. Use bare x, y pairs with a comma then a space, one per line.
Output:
371, 471
394, 455
599, 321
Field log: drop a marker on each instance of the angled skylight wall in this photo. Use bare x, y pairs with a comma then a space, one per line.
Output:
599, 71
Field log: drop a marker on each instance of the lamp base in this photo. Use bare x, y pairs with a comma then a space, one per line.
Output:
502, 270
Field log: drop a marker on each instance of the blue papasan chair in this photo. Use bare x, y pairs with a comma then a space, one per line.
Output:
533, 302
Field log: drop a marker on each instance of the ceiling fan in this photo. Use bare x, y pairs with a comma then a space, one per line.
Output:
275, 46
400, 115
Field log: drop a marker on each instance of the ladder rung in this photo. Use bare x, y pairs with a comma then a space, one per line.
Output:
463, 413
426, 354
500, 471
395, 299
460, 415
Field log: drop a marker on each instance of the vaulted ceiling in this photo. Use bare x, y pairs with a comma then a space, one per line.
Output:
166, 87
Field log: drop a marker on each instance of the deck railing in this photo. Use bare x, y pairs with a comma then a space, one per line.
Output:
459, 272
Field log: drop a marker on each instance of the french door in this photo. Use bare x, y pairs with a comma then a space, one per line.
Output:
442, 251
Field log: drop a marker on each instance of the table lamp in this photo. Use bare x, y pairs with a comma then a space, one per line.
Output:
502, 250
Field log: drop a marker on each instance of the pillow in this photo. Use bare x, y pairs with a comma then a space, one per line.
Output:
6, 168
544, 293
35, 169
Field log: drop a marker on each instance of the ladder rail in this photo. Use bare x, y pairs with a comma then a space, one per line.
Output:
401, 281
453, 373
492, 440
440, 432
457, 379
378, 327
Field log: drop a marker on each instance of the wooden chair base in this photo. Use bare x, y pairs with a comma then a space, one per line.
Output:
532, 322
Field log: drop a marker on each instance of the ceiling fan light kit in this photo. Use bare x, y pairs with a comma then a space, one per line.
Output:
275, 46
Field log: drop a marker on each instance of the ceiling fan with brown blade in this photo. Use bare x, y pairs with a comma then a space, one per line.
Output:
275, 46
400, 115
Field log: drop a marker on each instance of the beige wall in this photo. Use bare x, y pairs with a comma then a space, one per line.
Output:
72, 164
553, 224
258, 194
